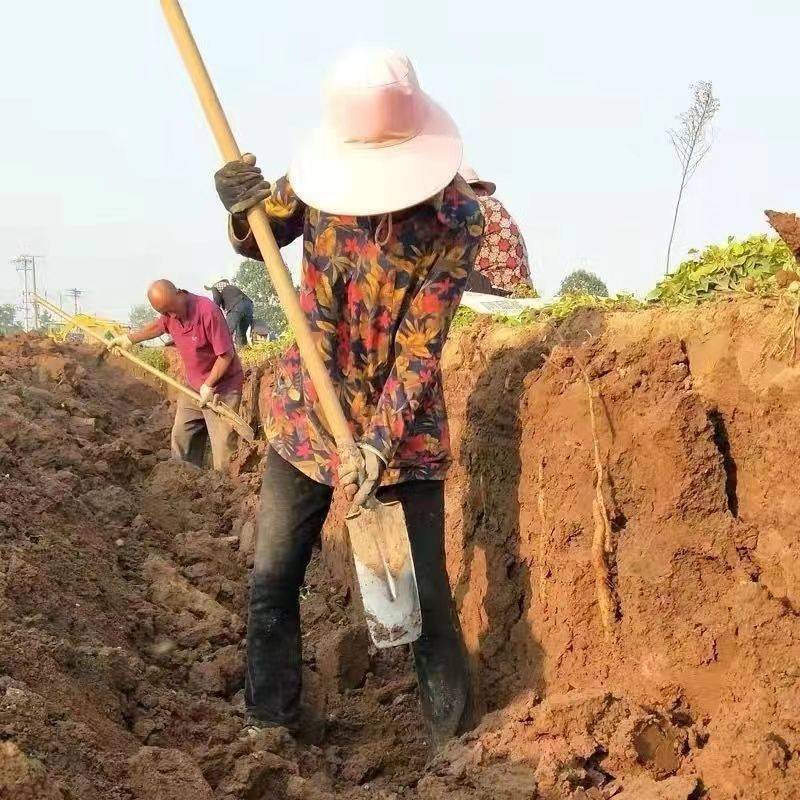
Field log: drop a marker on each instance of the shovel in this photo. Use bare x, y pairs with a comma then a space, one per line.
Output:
385, 571
378, 534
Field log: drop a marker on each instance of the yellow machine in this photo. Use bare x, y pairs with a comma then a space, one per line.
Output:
74, 329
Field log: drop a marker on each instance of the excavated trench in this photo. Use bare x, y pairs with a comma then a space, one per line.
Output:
123, 581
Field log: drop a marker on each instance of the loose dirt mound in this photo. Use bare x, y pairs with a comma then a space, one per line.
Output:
787, 226
122, 607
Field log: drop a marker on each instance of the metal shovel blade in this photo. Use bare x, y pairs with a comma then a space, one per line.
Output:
385, 571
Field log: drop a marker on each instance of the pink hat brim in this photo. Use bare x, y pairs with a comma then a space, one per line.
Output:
363, 180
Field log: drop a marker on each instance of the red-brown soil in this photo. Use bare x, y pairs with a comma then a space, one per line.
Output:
123, 581
787, 226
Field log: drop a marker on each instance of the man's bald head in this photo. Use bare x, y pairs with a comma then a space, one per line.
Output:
165, 297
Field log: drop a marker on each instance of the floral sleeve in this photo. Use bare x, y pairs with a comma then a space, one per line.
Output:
320, 293
423, 330
286, 214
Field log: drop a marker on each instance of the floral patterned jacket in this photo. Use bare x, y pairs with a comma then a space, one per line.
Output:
380, 309
502, 257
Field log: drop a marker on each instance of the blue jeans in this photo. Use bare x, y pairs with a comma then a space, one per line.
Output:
240, 320
291, 515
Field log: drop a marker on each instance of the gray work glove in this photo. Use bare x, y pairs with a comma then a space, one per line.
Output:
240, 184
206, 395
361, 476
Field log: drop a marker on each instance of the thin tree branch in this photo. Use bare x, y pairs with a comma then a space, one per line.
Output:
691, 142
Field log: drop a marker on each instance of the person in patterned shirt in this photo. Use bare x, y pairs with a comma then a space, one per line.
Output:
502, 261
390, 233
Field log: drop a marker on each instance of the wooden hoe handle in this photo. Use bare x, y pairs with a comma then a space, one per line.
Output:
259, 224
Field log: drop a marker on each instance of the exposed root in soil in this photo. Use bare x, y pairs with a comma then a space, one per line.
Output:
543, 535
785, 346
602, 544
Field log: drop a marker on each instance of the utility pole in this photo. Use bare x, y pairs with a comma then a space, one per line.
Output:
26, 264
74, 294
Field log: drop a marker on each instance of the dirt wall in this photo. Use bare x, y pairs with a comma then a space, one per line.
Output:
696, 414
696, 420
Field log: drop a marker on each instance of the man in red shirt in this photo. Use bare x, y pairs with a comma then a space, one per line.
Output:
201, 335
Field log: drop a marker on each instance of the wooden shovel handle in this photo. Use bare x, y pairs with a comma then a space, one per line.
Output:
259, 224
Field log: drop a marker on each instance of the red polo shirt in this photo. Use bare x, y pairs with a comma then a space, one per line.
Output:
200, 339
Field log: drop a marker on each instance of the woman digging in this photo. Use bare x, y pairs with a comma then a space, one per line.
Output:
390, 233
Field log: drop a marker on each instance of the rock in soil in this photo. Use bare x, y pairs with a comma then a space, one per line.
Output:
343, 657
167, 775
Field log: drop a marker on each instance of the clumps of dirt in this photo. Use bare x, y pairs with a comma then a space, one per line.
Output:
123, 586
787, 226
567, 745
167, 774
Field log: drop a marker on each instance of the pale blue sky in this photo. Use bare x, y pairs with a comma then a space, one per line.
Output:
106, 164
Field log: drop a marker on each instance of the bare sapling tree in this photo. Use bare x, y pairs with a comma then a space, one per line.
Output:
692, 140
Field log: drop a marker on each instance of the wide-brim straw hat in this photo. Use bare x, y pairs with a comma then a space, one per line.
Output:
383, 144
475, 181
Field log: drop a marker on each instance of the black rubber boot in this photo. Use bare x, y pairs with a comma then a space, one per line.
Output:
440, 656
444, 687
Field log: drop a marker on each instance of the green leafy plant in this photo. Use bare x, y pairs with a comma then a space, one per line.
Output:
262, 351
154, 356
524, 290
569, 304
748, 265
464, 317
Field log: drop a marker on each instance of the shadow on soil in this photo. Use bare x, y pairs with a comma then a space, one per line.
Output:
509, 659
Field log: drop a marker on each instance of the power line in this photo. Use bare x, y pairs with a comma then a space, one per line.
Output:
74, 294
26, 264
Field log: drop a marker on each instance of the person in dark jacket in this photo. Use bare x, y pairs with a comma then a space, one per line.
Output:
238, 308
